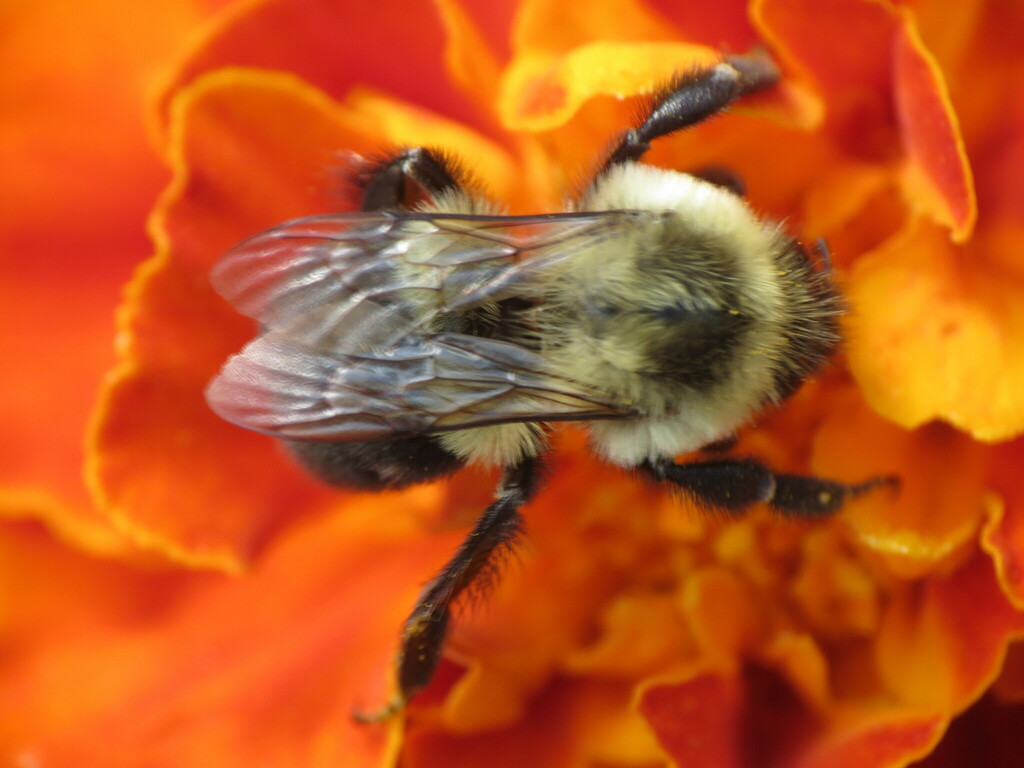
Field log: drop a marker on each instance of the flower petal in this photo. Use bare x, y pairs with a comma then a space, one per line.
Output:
570, 722
855, 79
1009, 688
836, 592
724, 25
885, 95
253, 152
468, 57
549, 26
942, 641
933, 335
78, 178
640, 634
1003, 536
696, 721
723, 614
722, 720
542, 91
925, 523
888, 740
111, 666
333, 46
937, 177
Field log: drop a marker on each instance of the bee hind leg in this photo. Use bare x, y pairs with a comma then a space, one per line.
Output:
475, 561
734, 485
388, 186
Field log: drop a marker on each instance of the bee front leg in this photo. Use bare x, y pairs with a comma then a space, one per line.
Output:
431, 171
734, 485
494, 534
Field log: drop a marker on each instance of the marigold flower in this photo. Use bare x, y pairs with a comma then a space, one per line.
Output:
199, 601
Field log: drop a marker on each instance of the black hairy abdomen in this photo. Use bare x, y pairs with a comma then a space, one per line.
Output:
377, 465
697, 347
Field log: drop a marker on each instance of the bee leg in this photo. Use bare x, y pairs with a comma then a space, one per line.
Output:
692, 97
493, 535
722, 445
734, 485
431, 171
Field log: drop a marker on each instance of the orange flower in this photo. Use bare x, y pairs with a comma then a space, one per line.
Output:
199, 601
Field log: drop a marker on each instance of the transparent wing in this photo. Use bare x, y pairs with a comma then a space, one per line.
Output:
375, 277
279, 386
348, 301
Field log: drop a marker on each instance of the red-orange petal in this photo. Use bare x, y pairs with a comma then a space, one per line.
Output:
885, 93
756, 720
942, 640
723, 25
887, 740
937, 176
1009, 687
333, 46
78, 179
469, 58
552, 27
854, 79
105, 665
697, 720
254, 149
932, 517
573, 721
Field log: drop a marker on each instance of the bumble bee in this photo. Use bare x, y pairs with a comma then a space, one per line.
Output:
402, 342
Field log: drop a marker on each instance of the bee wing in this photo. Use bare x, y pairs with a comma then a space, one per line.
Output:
373, 278
282, 387
347, 303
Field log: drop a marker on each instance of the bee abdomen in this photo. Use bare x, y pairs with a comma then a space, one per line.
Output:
377, 465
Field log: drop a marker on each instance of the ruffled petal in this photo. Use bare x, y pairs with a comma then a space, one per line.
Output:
542, 91
923, 524
724, 25
937, 176
934, 334
886, 96
254, 149
632, 631
551, 27
79, 177
471, 62
1003, 536
173, 668
251, 148
574, 66
756, 719
571, 722
942, 641
335, 46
